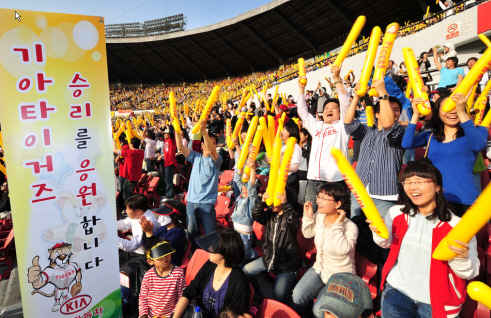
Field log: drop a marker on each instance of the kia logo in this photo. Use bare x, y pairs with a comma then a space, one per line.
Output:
452, 27
75, 304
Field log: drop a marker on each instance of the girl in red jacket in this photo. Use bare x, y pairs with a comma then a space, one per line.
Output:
415, 284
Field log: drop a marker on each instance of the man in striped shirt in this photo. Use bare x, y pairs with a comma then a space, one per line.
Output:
380, 151
162, 285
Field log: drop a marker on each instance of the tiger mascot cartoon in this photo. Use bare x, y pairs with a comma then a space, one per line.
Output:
60, 273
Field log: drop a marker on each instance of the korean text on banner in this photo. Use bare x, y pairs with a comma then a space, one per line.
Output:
54, 106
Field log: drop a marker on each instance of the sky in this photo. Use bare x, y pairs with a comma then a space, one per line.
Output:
198, 13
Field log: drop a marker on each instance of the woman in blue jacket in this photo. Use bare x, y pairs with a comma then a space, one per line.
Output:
452, 145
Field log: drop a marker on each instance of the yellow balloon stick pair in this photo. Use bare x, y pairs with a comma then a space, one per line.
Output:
416, 81
237, 129
275, 163
256, 144
271, 128
366, 72
481, 103
301, 71
350, 40
474, 76
266, 137
370, 116
471, 222
384, 54
282, 176
207, 110
359, 191
228, 131
245, 146
173, 113
480, 292
2, 169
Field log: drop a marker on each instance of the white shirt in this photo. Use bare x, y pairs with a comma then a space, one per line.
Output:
322, 166
134, 245
149, 148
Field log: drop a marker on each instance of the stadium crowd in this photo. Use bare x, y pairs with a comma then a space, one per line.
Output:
422, 173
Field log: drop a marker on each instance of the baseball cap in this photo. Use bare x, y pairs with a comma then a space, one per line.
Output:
345, 296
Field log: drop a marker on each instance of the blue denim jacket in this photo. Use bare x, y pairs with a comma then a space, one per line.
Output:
243, 208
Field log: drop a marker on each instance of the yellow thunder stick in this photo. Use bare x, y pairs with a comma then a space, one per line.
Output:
416, 81
485, 40
245, 146
256, 144
275, 164
237, 129
350, 40
275, 99
369, 60
408, 90
282, 176
206, 111
474, 75
228, 131
384, 54
301, 71
370, 116
173, 113
2, 169
268, 143
481, 103
471, 222
360, 193
480, 292
472, 98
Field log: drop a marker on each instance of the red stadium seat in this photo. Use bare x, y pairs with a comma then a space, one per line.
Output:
199, 258
274, 309
223, 210
367, 271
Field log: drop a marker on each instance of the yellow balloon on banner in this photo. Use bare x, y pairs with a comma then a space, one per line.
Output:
384, 54
471, 222
416, 81
480, 292
350, 40
369, 60
360, 193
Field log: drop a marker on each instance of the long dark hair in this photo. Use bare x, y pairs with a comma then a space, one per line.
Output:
424, 169
436, 122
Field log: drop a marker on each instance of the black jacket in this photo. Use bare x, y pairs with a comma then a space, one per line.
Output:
281, 252
238, 294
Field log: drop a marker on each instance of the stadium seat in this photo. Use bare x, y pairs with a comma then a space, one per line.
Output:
367, 271
199, 258
226, 177
274, 309
223, 210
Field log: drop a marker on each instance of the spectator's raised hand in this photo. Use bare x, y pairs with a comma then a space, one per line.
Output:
460, 101
341, 217
147, 226
380, 87
460, 248
335, 71
308, 210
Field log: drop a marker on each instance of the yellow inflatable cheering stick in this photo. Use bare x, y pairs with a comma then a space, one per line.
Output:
474, 75
480, 292
370, 116
228, 131
481, 103
301, 71
485, 40
245, 147
2, 169
237, 129
275, 163
416, 81
369, 60
207, 110
471, 222
173, 113
360, 193
256, 144
266, 139
284, 168
384, 54
350, 40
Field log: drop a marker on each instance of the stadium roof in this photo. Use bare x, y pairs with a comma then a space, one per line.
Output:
257, 40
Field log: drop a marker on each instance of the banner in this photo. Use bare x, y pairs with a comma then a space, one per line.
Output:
55, 117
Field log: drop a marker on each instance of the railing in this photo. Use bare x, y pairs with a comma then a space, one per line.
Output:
165, 25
